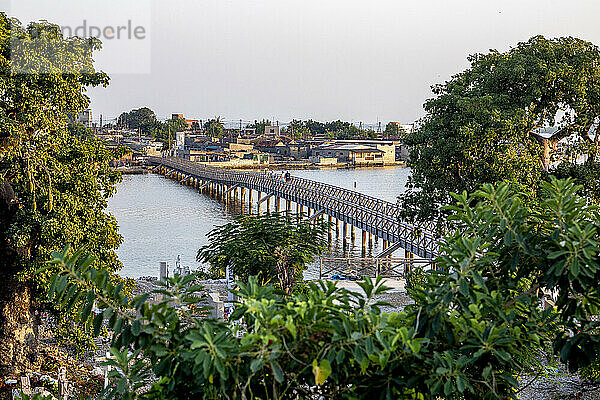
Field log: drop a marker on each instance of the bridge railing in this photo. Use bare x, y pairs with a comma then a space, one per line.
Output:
365, 212
357, 267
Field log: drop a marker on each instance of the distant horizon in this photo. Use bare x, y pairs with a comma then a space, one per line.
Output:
321, 60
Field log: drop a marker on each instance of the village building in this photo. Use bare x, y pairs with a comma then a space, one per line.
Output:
351, 154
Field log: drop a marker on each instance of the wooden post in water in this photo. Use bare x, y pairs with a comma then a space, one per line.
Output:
258, 195
409, 261
242, 198
344, 238
364, 243
250, 201
385, 246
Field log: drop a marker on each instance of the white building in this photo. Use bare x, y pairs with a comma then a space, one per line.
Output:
85, 117
271, 131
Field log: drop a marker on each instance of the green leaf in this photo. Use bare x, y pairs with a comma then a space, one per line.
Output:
136, 327
277, 372
321, 371
256, 365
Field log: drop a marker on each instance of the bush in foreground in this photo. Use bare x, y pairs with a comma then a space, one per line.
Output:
475, 327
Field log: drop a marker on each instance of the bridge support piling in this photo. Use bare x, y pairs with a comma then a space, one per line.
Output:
288, 206
337, 227
258, 196
344, 238
352, 233
269, 205
385, 259
277, 203
329, 228
364, 243
409, 264
250, 201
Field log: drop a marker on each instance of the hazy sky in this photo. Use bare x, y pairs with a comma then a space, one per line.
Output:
283, 59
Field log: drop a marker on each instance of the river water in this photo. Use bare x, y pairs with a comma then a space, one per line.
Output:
161, 220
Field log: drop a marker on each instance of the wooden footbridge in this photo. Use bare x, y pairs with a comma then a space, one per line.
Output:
373, 216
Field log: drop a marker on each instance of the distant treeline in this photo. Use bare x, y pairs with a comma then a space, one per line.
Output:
144, 120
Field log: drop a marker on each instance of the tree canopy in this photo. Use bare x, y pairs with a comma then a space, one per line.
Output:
55, 183
272, 247
214, 127
143, 119
517, 116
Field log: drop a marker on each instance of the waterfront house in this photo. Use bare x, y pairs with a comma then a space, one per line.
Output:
352, 154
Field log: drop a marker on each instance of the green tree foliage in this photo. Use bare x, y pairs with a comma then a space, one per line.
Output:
393, 129
214, 127
79, 130
315, 128
298, 130
484, 125
272, 247
260, 126
55, 183
472, 331
143, 119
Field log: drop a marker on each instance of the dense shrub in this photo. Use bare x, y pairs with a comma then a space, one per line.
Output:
475, 325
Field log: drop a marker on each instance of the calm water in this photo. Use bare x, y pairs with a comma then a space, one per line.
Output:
160, 219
